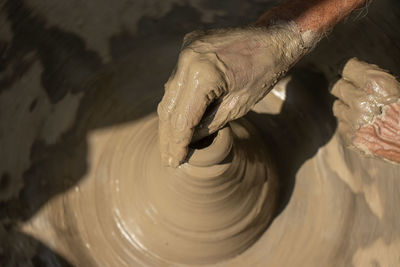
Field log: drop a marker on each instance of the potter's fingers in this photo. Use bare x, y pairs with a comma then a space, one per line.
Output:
169, 119
164, 110
355, 117
357, 71
371, 78
347, 92
182, 123
362, 108
232, 107
202, 129
163, 132
196, 83
164, 143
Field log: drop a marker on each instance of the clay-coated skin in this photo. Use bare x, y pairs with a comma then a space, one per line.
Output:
368, 109
232, 69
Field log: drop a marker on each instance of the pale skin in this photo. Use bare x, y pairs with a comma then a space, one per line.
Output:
221, 74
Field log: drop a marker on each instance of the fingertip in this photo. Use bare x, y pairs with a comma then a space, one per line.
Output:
200, 133
336, 88
174, 163
169, 161
341, 64
347, 92
350, 64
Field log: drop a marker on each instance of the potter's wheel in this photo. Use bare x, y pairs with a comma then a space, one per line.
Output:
340, 209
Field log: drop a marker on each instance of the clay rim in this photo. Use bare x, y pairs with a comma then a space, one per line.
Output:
213, 154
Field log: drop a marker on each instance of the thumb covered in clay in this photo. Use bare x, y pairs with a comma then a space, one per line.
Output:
219, 77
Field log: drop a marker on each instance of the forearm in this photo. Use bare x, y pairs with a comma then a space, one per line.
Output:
316, 16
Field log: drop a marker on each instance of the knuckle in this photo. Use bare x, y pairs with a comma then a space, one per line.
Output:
191, 37
187, 54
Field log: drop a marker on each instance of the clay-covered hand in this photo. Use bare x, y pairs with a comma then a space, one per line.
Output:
226, 71
368, 109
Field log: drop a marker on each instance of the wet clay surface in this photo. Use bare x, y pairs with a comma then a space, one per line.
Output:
334, 208
132, 210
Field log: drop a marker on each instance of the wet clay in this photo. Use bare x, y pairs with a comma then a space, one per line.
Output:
133, 209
